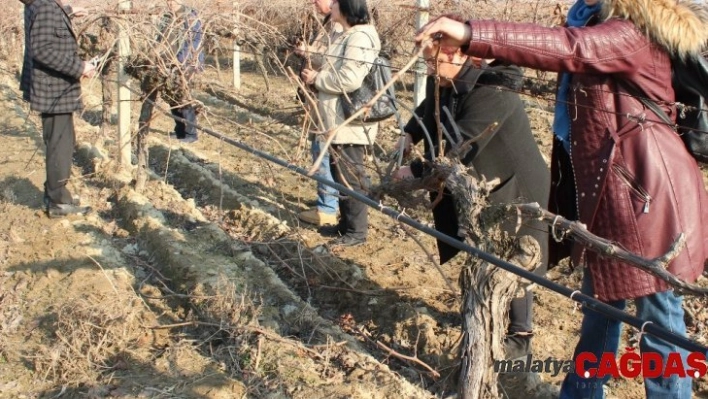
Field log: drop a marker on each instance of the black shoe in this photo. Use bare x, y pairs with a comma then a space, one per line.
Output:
331, 231
61, 210
516, 346
47, 202
346, 240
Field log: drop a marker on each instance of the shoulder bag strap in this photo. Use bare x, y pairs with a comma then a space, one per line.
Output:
384, 79
634, 91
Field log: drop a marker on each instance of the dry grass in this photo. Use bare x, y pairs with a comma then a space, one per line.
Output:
90, 334
94, 336
11, 31
227, 323
11, 317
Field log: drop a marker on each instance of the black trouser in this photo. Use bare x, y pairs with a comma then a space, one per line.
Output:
347, 161
182, 129
59, 137
187, 112
521, 314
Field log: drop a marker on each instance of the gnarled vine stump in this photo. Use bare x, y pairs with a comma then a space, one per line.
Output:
487, 290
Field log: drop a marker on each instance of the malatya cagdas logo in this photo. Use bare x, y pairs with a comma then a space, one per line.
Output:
630, 364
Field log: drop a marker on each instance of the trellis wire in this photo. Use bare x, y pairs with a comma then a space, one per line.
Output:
585, 300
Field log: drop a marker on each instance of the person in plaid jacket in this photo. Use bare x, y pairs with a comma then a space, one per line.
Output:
54, 86
27, 60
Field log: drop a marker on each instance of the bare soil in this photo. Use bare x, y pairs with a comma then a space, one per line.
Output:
207, 286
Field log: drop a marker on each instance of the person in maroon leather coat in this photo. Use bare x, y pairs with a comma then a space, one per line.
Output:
626, 176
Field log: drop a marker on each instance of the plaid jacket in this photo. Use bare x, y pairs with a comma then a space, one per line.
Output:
26, 77
55, 85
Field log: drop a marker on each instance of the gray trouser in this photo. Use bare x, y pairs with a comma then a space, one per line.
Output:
59, 137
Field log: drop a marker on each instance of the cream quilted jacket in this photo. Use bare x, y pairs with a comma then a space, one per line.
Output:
348, 61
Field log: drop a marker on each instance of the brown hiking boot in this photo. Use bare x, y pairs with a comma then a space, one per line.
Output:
313, 216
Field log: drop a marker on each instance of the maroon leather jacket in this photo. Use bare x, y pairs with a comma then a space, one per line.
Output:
635, 183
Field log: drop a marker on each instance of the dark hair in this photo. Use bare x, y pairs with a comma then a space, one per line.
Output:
354, 11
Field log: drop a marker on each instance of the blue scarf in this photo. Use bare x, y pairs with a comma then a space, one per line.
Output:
578, 15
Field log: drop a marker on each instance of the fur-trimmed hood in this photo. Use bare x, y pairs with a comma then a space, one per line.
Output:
680, 26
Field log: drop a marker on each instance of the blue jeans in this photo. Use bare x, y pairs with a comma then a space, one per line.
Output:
327, 197
600, 334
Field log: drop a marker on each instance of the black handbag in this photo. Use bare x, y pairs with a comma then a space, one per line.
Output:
375, 80
690, 83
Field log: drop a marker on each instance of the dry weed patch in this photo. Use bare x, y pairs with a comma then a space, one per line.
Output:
91, 334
